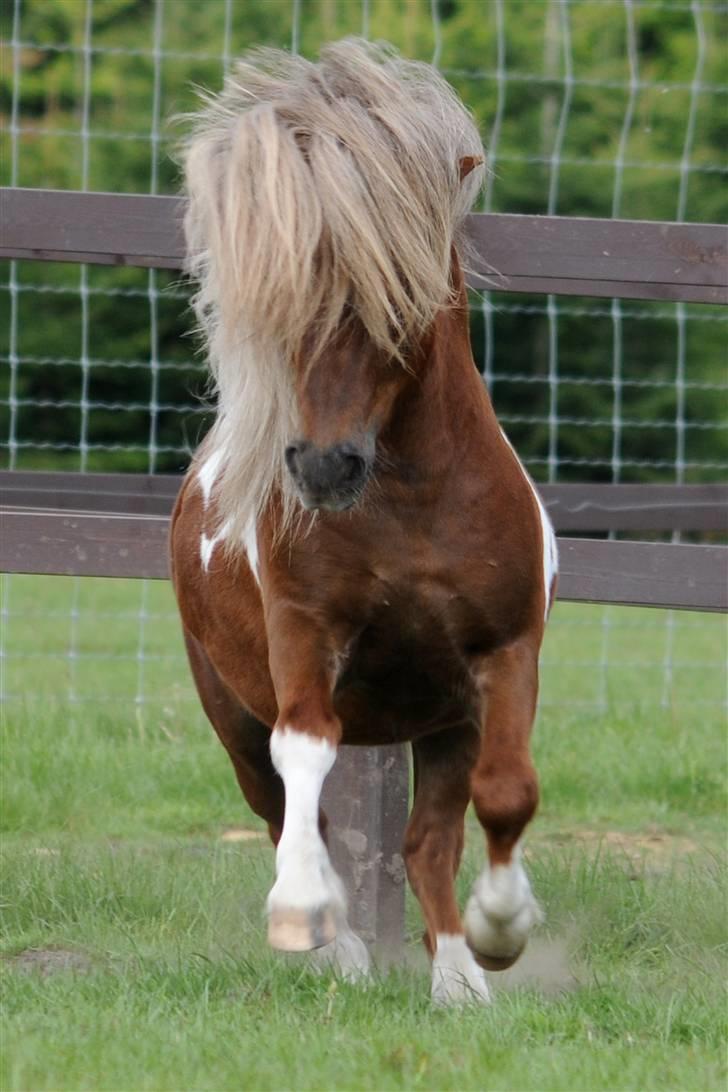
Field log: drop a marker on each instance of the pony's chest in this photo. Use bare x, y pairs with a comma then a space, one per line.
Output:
416, 647
450, 600
405, 669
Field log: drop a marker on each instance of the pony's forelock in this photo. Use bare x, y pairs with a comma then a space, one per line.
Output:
315, 190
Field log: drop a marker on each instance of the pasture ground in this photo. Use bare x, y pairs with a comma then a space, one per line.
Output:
133, 952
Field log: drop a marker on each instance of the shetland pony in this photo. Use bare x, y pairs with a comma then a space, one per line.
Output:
358, 555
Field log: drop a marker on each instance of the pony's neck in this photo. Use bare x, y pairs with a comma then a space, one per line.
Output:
441, 412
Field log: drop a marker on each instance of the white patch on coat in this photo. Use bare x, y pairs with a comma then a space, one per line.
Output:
501, 911
208, 544
456, 977
250, 540
305, 877
207, 474
550, 550
548, 538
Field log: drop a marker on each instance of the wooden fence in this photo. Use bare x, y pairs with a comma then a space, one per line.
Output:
116, 525
632, 259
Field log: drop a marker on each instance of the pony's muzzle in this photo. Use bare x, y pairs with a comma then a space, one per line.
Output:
332, 477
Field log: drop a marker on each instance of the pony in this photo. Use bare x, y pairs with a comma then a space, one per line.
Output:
358, 555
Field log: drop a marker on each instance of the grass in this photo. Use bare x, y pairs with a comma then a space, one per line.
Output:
133, 951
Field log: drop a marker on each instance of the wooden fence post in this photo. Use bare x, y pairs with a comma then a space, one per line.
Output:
366, 797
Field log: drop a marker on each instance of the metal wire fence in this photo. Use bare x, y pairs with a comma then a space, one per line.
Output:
589, 107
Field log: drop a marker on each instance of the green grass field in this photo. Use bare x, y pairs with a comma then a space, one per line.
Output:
133, 953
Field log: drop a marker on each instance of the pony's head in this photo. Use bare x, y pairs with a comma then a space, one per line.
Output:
325, 201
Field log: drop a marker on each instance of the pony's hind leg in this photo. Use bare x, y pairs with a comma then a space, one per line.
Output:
432, 849
501, 910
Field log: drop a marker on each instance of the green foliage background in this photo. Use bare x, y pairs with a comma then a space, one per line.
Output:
69, 325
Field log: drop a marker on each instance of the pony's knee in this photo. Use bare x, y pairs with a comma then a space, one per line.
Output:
505, 801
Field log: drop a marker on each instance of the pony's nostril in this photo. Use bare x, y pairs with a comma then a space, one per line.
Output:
291, 457
354, 468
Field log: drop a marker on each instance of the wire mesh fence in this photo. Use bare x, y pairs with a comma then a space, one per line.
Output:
590, 107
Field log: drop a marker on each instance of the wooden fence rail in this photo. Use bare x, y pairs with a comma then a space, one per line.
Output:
633, 259
117, 525
572, 506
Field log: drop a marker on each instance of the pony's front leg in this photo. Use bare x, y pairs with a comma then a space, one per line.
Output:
306, 899
307, 904
502, 911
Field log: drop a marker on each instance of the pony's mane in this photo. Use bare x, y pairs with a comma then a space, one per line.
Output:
316, 191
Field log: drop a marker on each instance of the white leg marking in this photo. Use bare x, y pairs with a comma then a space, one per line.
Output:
501, 911
548, 538
456, 977
305, 879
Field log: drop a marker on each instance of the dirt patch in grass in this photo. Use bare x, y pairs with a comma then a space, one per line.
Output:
46, 961
646, 843
652, 850
241, 834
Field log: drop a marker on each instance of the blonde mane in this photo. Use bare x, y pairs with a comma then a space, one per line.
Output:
316, 190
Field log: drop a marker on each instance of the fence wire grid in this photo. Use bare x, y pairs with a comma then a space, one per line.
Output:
587, 107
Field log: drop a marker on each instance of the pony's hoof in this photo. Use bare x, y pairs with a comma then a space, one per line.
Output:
498, 921
496, 963
456, 977
291, 930
347, 957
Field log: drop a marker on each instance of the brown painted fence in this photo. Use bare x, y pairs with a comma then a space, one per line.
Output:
116, 525
633, 259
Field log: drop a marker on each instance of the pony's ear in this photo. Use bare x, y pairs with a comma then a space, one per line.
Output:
468, 163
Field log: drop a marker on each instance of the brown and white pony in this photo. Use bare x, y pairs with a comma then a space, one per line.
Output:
358, 555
